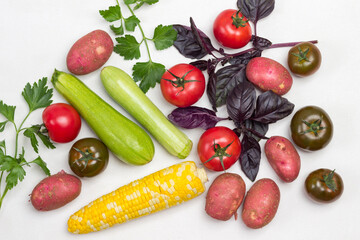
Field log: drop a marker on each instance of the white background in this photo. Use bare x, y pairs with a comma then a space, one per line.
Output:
35, 38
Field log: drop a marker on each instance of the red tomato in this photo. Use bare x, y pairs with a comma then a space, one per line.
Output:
62, 121
231, 29
182, 85
219, 148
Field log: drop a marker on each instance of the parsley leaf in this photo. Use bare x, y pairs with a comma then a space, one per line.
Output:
42, 165
2, 126
7, 111
148, 74
2, 153
130, 1
164, 36
117, 30
139, 3
127, 47
34, 131
131, 22
2, 145
112, 14
38, 95
7, 163
16, 174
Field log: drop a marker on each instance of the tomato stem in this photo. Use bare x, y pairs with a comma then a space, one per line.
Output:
238, 21
179, 81
86, 157
220, 152
314, 127
329, 181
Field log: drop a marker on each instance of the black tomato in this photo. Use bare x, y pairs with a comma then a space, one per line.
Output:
304, 59
88, 157
324, 185
311, 128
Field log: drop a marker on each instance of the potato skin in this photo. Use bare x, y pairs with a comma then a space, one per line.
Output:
55, 191
261, 203
268, 74
89, 53
283, 158
225, 196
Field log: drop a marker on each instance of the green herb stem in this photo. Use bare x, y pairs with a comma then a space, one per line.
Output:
18, 130
142, 32
3, 195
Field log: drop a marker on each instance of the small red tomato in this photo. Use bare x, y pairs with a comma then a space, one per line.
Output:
62, 121
182, 85
231, 29
219, 148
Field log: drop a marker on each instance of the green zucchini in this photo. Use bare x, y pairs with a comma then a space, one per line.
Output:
122, 88
125, 139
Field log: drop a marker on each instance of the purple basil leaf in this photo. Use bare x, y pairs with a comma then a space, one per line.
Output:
250, 157
200, 64
245, 58
271, 107
256, 129
261, 43
226, 79
254, 10
188, 44
194, 117
240, 103
203, 40
211, 86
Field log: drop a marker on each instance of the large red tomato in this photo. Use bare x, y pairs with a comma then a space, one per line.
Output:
62, 121
219, 148
182, 85
231, 29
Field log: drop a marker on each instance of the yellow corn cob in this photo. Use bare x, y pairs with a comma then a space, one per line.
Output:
160, 190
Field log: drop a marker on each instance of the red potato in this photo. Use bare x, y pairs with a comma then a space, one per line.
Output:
225, 196
283, 158
261, 203
89, 53
55, 191
268, 74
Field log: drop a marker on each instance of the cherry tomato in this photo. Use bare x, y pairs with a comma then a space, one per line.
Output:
304, 59
62, 121
231, 29
183, 85
311, 128
88, 157
219, 148
324, 185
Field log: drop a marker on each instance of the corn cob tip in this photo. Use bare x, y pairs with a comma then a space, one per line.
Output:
201, 173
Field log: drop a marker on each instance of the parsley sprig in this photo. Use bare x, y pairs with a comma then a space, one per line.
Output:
12, 167
147, 73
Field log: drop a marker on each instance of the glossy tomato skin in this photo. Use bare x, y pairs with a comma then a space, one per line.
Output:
228, 34
62, 121
97, 161
317, 189
222, 136
304, 59
311, 128
182, 85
